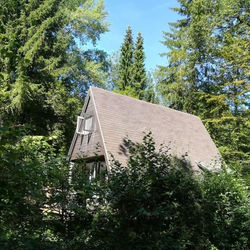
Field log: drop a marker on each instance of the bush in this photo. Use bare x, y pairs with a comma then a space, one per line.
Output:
155, 202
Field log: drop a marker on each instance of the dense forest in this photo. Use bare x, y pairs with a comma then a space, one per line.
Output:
156, 202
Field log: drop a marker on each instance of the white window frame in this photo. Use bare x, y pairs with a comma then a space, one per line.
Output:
81, 123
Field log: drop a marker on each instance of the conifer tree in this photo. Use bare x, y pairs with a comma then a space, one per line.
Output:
207, 71
126, 61
129, 76
43, 70
139, 81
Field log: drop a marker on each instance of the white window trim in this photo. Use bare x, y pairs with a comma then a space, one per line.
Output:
82, 120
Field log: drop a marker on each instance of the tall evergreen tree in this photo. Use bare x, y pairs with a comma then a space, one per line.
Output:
126, 61
139, 81
43, 70
128, 74
205, 75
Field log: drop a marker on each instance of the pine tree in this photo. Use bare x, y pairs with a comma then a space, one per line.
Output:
126, 61
43, 70
139, 81
207, 71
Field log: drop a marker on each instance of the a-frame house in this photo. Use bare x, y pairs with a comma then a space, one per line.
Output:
107, 118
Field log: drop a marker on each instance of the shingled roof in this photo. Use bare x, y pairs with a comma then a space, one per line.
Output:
118, 117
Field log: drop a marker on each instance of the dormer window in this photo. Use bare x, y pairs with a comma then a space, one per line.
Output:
84, 125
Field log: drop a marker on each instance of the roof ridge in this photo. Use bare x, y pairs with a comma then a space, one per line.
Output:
154, 104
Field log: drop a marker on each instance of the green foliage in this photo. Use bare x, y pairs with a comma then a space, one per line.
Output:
226, 211
207, 72
150, 93
37, 200
148, 202
128, 91
23, 183
128, 74
44, 70
139, 81
126, 61
156, 202
153, 202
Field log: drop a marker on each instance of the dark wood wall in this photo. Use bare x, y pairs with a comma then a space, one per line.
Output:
91, 144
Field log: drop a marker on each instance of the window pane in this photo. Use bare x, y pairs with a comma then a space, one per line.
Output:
80, 124
88, 123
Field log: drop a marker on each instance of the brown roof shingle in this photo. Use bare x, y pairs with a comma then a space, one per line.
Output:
122, 116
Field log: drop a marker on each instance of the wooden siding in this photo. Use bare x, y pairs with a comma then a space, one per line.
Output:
86, 146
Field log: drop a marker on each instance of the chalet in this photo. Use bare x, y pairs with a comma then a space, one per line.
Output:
107, 118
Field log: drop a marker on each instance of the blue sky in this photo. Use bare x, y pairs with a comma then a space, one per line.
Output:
150, 17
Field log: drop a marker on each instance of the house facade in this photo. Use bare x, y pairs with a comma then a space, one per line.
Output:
108, 118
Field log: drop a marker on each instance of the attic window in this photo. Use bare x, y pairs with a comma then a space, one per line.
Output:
84, 125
